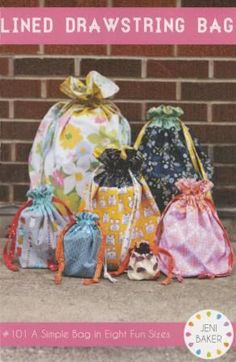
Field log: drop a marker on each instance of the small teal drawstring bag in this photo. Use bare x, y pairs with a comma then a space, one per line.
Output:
35, 229
81, 249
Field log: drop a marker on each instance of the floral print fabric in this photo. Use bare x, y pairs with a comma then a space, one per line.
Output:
62, 152
166, 155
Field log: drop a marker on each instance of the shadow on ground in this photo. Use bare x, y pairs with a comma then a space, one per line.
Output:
32, 296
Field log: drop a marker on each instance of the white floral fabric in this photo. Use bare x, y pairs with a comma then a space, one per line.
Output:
62, 152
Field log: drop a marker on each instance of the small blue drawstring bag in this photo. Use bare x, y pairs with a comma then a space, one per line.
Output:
80, 249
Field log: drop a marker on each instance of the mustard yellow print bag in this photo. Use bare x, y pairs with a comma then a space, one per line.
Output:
120, 196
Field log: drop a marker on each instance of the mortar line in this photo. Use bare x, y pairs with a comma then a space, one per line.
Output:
129, 79
175, 51
41, 49
128, 57
211, 69
77, 65
108, 49
11, 67
143, 111
178, 91
144, 68
11, 193
11, 108
209, 113
13, 152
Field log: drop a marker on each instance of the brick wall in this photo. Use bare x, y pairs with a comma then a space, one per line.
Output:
201, 79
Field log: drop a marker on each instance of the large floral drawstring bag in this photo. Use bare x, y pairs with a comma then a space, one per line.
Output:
62, 152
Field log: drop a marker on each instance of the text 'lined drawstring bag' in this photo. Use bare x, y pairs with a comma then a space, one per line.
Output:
81, 249
34, 230
170, 153
192, 232
62, 152
120, 196
142, 263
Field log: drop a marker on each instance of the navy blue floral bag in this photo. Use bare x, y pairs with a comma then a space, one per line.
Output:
170, 153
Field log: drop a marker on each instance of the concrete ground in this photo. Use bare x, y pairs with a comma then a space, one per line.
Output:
31, 295
104, 355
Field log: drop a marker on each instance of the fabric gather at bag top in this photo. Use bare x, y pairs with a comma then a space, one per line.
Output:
81, 249
170, 153
190, 229
123, 201
34, 230
62, 152
142, 263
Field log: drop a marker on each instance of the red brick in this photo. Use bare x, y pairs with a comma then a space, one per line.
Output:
225, 154
207, 50
11, 172
23, 131
208, 134
4, 193
22, 151
43, 67
146, 90
31, 109
225, 175
225, 69
53, 90
5, 152
177, 69
135, 129
10, 88
146, 3
19, 3
3, 66
4, 109
143, 50
79, 3
215, 134
131, 111
112, 67
207, 3
75, 49
20, 192
19, 49
224, 112
225, 197
192, 112
209, 91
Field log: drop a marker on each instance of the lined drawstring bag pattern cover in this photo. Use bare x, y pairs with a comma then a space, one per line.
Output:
62, 152
34, 231
123, 201
192, 232
170, 153
80, 248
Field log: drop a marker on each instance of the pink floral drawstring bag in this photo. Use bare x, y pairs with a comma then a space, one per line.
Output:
192, 232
